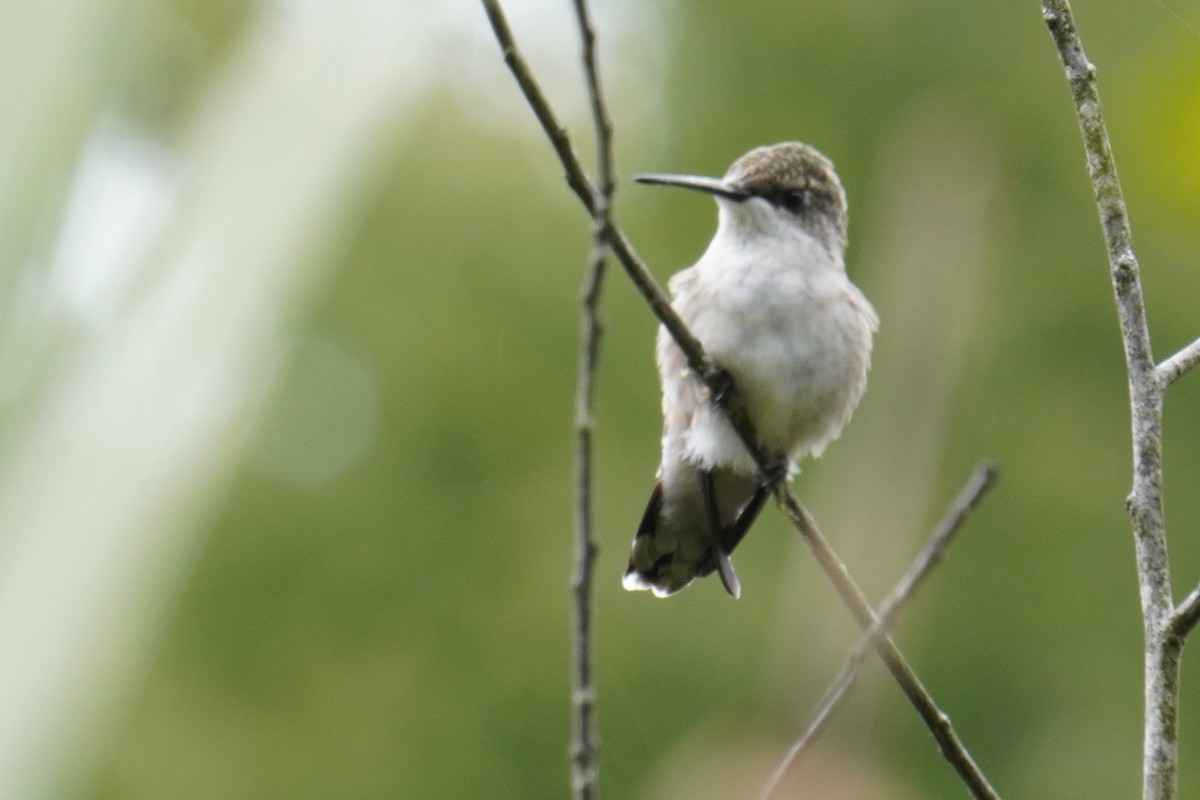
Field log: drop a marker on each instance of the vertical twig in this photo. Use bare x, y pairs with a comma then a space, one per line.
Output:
600, 118
1164, 626
584, 740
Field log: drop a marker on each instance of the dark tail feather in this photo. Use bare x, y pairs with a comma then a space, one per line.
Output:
650, 568
646, 576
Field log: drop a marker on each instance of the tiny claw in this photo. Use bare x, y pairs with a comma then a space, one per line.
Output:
721, 379
772, 474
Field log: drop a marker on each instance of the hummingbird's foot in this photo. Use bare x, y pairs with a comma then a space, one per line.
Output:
773, 474
720, 384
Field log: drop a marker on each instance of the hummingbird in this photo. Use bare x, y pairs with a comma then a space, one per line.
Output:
771, 303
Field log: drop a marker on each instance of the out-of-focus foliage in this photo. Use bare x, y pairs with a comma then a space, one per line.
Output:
375, 604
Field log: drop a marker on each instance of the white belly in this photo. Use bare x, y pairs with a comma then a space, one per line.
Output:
796, 342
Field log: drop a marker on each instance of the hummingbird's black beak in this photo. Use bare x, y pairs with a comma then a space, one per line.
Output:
714, 186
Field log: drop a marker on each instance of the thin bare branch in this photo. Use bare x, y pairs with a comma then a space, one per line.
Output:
1160, 621
982, 479
1186, 615
1179, 364
948, 741
600, 117
584, 739
1145, 397
726, 395
576, 177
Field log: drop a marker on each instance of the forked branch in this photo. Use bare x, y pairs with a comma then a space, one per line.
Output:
1165, 627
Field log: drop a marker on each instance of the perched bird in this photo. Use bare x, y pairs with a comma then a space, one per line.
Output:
770, 302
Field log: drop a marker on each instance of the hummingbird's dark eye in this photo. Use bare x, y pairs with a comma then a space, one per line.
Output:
793, 200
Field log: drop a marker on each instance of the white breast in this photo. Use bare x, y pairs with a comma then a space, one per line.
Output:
794, 333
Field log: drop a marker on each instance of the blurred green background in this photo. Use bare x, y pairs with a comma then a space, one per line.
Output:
288, 371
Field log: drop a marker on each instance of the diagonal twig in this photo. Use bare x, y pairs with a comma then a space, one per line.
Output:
1187, 614
729, 399
584, 739
1179, 364
948, 741
982, 479
576, 178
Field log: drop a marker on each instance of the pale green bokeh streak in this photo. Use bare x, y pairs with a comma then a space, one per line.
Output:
106, 474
